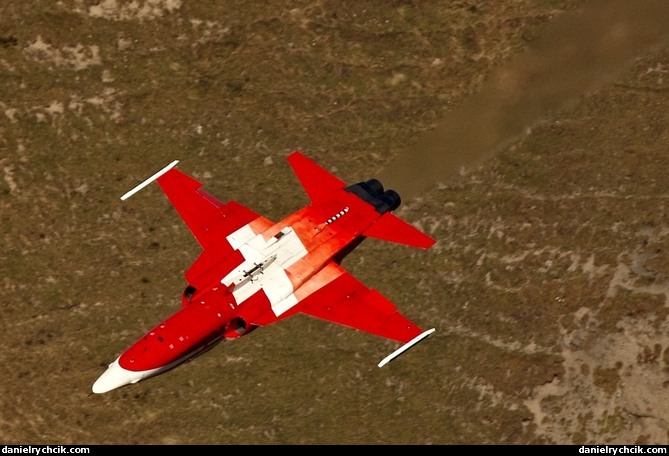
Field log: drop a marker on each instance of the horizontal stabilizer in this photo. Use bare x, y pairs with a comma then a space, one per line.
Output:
317, 182
405, 347
392, 228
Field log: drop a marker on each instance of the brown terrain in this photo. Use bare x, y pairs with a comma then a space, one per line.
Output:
529, 137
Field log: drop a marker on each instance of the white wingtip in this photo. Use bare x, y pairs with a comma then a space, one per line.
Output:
405, 347
149, 180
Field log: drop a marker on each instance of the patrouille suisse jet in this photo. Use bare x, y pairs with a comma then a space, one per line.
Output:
253, 272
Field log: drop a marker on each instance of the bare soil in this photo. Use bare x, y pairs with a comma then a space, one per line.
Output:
548, 286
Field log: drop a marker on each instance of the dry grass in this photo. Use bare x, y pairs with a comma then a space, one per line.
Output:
548, 286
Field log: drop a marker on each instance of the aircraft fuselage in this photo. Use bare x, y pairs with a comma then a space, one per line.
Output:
272, 267
253, 272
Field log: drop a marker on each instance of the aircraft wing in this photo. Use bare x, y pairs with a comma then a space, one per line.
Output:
346, 301
335, 295
215, 225
210, 220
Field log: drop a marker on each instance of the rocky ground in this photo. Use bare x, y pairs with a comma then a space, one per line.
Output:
548, 285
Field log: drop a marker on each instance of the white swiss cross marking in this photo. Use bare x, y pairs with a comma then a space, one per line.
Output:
264, 266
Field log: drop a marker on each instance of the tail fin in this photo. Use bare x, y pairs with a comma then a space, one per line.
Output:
317, 182
391, 228
320, 184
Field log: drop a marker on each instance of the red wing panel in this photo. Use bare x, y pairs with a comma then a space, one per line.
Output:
208, 219
348, 302
211, 265
317, 182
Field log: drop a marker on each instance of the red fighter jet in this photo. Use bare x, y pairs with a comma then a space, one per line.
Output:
253, 272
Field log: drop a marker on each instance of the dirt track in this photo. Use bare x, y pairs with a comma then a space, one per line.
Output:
548, 285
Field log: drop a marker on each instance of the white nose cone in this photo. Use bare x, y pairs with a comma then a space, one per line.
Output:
115, 377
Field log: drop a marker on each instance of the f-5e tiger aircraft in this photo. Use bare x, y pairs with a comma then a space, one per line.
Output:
253, 272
